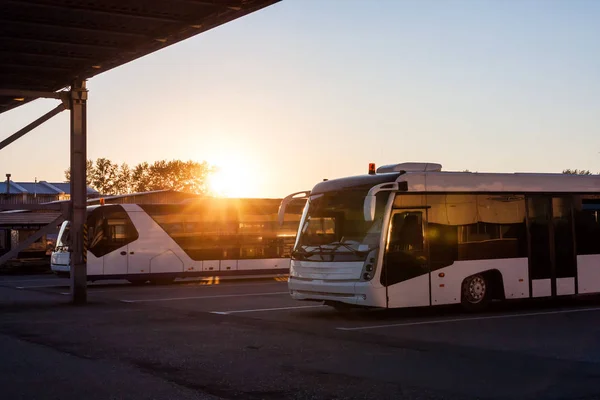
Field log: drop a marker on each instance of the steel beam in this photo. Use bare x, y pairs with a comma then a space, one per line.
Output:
51, 227
78, 191
30, 93
32, 126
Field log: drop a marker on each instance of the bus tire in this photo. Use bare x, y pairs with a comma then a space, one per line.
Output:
476, 292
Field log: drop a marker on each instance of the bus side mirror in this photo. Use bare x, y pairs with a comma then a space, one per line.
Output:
371, 201
287, 200
369, 207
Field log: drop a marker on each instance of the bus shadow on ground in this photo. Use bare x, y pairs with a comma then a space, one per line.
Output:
453, 311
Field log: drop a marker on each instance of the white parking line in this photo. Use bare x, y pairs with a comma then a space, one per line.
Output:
39, 287
177, 286
220, 296
262, 309
136, 289
444, 321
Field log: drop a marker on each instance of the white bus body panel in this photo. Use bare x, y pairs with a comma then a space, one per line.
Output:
588, 273
210, 265
514, 271
228, 265
565, 286
165, 262
95, 265
59, 262
153, 241
411, 293
541, 288
115, 263
269, 263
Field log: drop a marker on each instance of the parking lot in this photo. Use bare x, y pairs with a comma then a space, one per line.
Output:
249, 339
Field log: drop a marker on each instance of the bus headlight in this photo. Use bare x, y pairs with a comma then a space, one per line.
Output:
368, 270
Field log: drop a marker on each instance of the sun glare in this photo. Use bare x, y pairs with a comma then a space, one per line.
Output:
234, 177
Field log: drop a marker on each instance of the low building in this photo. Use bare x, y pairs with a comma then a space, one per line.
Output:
16, 226
152, 197
37, 192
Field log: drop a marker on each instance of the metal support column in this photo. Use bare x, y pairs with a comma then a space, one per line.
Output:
78, 191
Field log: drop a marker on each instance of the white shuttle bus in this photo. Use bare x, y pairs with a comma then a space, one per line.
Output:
410, 235
208, 237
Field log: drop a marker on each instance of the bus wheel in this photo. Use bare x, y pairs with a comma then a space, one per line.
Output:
476, 291
136, 282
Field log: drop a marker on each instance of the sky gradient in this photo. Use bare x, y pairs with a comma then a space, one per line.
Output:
311, 89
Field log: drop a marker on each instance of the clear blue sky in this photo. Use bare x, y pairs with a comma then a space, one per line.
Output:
312, 89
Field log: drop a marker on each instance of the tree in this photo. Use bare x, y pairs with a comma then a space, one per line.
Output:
140, 178
184, 176
89, 166
123, 183
109, 178
577, 172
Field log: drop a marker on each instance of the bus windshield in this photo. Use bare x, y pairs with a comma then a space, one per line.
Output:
334, 224
62, 241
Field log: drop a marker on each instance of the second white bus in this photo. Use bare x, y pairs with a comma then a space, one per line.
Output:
413, 235
208, 237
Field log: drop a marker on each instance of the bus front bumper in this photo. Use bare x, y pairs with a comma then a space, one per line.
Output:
60, 268
351, 292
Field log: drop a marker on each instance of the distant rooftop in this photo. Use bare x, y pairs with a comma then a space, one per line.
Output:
41, 187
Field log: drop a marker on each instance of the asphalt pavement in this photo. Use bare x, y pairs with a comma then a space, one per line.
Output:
247, 339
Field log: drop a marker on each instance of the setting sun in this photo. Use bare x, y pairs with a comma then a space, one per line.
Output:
235, 177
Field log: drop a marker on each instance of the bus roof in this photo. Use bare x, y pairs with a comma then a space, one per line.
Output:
448, 181
500, 182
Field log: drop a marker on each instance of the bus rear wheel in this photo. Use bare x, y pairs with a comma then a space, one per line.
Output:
476, 293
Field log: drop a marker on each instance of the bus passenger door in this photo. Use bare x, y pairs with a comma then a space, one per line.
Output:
405, 271
110, 236
552, 259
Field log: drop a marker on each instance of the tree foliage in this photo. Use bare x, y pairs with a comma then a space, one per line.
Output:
109, 178
577, 172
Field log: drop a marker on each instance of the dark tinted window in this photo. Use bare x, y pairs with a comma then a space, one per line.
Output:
229, 228
405, 254
109, 229
587, 224
540, 214
476, 227
562, 225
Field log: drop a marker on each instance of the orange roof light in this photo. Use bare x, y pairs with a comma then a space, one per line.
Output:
102, 201
371, 168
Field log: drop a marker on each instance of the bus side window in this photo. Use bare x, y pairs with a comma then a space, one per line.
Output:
407, 232
112, 230
405, 257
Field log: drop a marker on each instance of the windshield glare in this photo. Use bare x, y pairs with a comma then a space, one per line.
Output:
335, 222
64, 236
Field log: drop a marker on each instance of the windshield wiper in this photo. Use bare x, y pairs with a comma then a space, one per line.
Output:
354, 251
301, 251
